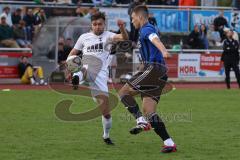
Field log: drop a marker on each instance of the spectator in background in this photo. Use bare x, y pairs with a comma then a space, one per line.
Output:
187, 2
213, 37
209, 3
79, 12
91, 11
68, 45
62, 56
194, 38
20, 35
219, 23
16, 16
6, 35
6, 13
29, 73
203, 35
77, 2
40, 17
30, 21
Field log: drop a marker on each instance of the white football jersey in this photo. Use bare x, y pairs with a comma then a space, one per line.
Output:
96, 46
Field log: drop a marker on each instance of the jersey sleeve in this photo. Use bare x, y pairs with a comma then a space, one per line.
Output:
79, 44
149, 33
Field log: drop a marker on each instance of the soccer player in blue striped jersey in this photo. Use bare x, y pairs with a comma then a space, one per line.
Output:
149, 82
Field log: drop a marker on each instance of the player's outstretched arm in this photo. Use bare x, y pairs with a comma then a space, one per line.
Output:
124, 33
156, 41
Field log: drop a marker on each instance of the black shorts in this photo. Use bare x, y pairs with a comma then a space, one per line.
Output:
151, 81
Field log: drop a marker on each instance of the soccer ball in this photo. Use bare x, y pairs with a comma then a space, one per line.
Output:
74, 63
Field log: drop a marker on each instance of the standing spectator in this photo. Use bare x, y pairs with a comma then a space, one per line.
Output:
213, 37
209, 3
194, 38
187, 2
203, 33
20, 35
16, 17
30, 21
6, 35
219, 23
6, 13
230, 58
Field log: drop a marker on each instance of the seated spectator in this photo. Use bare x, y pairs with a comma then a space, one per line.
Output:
29, 73
203, 33
40, 17
16, 17
20, 35
219, 23
6, 13
194, 38
30, 21
213, 37
62, 57
6, 35
79, 12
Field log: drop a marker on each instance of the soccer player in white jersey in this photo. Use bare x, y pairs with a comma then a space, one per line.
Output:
96, 50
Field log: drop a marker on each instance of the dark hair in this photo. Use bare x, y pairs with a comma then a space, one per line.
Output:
98, 15
141, 9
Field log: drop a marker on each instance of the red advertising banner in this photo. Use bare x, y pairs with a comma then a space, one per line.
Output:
172, 64
8, 72
210, 62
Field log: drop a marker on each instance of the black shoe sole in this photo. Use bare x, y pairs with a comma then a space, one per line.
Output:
136, 131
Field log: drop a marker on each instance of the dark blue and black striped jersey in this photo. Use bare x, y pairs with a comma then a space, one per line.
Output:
149, 52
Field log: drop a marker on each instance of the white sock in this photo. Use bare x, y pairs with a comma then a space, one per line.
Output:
141, 120
32, 80
42, 81
169, 142
80, 75
107, 124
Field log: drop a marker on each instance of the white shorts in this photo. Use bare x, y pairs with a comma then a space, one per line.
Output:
97, 82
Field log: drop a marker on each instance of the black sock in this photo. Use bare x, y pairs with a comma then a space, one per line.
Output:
158, 126
132, 106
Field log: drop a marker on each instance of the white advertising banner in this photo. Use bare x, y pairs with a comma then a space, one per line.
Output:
188, 65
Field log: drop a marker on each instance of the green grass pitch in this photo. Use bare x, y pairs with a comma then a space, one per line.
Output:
205, 124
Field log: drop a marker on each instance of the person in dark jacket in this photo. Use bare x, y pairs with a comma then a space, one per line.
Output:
16, 17
230, 57
194, 38
219, 23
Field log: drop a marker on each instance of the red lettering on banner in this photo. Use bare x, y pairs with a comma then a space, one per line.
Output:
188, 70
